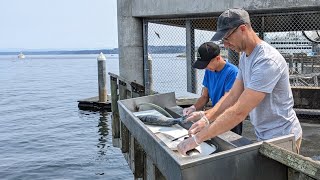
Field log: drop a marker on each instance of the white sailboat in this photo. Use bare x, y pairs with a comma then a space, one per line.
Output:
21, 56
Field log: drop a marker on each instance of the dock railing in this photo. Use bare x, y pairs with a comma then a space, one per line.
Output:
299, 167
121, 137
121, 89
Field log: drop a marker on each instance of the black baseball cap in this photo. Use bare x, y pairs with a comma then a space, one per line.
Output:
206, 52
230, 19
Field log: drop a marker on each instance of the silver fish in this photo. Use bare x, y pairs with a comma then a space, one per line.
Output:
159, 120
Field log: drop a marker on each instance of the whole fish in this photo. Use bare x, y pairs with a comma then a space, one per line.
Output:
159, 120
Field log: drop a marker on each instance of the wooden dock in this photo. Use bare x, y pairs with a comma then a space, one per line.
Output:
94, 104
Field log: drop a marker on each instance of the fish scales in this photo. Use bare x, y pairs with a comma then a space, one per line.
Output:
158, 120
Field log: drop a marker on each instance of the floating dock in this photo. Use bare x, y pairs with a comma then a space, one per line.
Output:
94, 104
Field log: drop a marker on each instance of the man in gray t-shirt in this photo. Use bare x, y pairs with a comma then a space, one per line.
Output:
261, 89
266, 71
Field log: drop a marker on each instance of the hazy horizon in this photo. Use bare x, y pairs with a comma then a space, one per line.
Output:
52, 49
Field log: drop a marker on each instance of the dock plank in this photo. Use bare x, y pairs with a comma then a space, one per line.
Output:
295, 161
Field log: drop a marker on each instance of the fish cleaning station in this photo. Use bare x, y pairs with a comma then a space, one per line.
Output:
158, 41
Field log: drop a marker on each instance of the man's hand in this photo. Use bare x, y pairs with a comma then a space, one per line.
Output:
198, 126
187, 145
189, 110
195, 116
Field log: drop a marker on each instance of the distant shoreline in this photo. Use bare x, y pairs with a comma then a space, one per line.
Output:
105, 51
151, 49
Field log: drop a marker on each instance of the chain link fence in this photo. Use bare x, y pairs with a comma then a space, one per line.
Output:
172, 44
168, 43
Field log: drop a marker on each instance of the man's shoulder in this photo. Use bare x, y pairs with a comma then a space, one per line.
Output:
269, 54
267, 49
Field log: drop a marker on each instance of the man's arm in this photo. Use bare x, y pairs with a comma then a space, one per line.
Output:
203, 100
226, 101
248, 100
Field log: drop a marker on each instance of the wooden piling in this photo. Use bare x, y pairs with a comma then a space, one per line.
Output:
137, 158
115, 111
102, 81
123, 129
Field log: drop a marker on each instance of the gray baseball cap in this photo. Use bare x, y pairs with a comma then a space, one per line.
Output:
228, 20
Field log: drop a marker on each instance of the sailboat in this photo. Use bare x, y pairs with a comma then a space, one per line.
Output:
21, 56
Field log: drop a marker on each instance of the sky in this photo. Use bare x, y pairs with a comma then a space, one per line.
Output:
58, 24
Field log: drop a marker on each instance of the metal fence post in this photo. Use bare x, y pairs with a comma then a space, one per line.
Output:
191, 72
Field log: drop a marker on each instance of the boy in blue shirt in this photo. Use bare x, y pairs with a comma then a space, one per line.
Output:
218, 79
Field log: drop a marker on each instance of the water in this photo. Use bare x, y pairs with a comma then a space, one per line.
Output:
43, 134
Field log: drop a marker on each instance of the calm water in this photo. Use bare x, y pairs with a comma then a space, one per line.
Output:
43, 134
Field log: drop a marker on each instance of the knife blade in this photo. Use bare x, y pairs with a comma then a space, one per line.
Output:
179, 137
